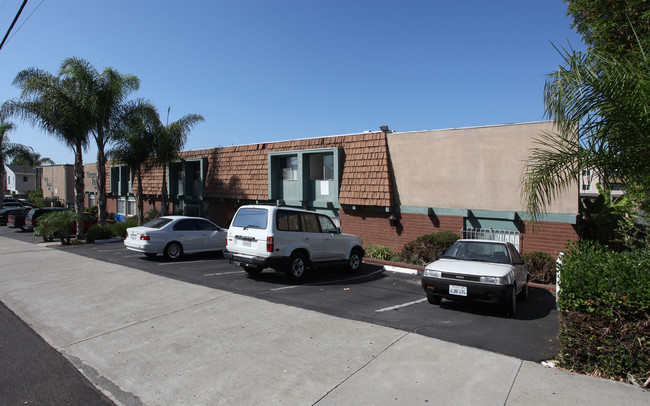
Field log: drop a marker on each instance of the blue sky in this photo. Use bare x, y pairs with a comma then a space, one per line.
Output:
272, 70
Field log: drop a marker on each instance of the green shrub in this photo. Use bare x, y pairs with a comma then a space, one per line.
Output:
99, 232
57, 224
119, 229
604, 305
379, 252
94, 210
423, 249
541, 266
153, 213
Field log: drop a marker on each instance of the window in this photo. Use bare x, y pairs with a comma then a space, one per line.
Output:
24, 178
586, 186
326, 225
185, 225
205, 225
130, 207
311, 223
321, 167
289, 168
288, 220
250, 218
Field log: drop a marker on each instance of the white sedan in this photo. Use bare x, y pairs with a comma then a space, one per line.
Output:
478, 270
173, 236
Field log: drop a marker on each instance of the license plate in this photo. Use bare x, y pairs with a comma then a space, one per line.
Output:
246, 243
458, 290
133, 237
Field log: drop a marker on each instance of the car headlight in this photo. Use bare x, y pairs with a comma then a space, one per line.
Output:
493, 280
432, 274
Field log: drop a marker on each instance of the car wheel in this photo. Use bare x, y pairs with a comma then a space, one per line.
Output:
173, 250
252, 270
297, 267
511, 306
150, 254
434, 299
355, 261
523, 295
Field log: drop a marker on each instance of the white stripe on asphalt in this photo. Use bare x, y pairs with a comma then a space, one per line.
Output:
221, 273
329, 282
385, 309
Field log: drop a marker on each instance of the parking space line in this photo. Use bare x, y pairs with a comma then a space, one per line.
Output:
176, 263
385, 309
330, 282
221, 273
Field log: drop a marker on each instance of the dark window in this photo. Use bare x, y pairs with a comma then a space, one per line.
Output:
250, 218
288, 220
157, 223
326, 224
205, 225
185, 225
311, 223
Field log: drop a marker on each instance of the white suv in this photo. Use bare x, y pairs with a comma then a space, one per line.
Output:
288, 239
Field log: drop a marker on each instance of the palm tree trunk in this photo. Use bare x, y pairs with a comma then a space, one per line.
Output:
138, 174
79, 189
163, 208
101, 183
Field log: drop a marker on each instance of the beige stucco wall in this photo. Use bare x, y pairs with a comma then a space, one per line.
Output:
58, 182
470, 168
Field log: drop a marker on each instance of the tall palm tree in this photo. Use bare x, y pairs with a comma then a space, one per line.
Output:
170, 142
104, 98
7, 150
134, 143
55, 105
32, 159
599, 106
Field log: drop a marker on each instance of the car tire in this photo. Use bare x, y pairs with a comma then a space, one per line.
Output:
511, 306
523, 295
355, 260
150, 254
173, 250
297, 267
252, 270
434, 299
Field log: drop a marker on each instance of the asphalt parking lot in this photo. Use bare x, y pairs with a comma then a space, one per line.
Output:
372, 295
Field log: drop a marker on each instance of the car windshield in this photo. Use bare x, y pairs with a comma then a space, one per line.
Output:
250, 218
157, 223
479, 251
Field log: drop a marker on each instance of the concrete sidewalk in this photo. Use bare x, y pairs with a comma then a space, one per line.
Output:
148, 340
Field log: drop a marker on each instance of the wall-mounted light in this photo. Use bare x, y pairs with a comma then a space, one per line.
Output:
392, 219
384, 128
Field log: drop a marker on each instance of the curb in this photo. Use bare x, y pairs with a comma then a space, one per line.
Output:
108, 240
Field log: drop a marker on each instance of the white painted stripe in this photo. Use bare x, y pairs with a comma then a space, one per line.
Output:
222, 273
188, 262
330, 282
385, 309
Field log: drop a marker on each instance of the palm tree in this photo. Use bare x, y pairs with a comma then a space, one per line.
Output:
170, 142
55, 105
7, 150
32, 159
103, 105
599, 106
135, 141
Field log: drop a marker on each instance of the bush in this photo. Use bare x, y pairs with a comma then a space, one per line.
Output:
541, 267
604, 311
57, 224
119, 229
379, 252
94, 210
423, 249
153, 213
99, 232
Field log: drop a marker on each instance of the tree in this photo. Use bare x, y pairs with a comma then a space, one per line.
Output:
103, 106
617, 28
56, 105
7, 150
32, 159
599, 105
170, 142
135, 139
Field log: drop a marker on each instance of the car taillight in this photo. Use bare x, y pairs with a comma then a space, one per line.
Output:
144, 237
269, 244
226, 238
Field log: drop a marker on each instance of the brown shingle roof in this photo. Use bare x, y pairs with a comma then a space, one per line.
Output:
241, 172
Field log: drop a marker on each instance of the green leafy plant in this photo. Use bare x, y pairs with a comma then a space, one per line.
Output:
604, 303
603, 217
119, 229
541, 266
99, 232
57, 224
36, 198
379, 252
153, 213
423, 249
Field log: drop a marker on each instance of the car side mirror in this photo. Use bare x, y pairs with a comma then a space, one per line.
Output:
338, 230
518, 262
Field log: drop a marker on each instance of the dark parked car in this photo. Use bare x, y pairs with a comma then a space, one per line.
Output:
4, 213
31, 221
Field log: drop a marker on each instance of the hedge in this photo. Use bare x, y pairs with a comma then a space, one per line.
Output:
604, 303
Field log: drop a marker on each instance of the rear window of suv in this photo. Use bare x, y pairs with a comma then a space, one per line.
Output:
250, 218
